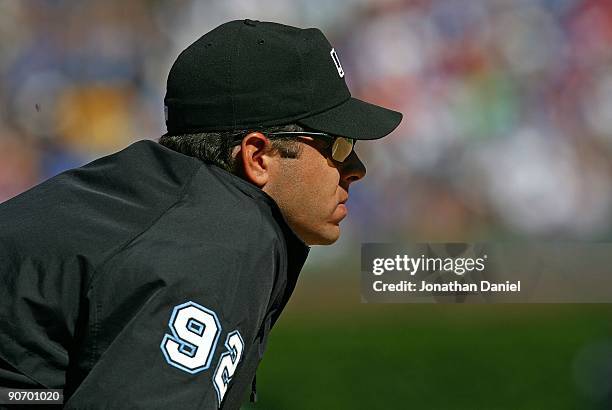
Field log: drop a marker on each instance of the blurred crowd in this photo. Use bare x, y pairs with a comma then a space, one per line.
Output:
507, 104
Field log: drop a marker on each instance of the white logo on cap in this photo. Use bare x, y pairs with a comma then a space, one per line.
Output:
336, 61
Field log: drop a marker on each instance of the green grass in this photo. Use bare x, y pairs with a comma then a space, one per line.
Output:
429, 356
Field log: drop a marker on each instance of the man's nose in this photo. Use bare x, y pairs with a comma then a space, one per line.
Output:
352, 169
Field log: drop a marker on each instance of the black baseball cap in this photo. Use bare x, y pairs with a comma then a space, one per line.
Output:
247, 74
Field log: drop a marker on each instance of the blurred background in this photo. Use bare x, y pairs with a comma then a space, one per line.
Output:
507, 135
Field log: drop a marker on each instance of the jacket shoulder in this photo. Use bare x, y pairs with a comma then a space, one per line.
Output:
91, 209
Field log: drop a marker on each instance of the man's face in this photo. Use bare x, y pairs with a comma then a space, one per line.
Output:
311, 191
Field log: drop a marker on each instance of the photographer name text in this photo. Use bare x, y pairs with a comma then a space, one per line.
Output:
450, 287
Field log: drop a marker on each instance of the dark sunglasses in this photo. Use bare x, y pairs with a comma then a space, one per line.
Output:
341, 147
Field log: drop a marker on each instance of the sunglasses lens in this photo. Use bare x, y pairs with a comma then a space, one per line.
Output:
342, 148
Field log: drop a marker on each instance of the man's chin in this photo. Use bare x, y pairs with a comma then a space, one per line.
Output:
328, 237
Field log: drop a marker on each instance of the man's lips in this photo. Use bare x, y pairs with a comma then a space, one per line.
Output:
342, 209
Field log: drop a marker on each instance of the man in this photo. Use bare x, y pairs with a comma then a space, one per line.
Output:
151, 278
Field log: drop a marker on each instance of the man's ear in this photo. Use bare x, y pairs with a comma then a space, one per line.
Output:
256, 158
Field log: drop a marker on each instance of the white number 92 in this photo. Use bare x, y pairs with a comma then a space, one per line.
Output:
191, 346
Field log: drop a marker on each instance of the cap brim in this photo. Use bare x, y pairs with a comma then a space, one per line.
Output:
355, 119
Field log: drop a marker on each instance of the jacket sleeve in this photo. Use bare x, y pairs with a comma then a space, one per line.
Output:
175, 331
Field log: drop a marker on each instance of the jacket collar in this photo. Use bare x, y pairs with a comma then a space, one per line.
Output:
293, 241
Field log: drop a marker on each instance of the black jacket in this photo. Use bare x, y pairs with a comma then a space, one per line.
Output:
145, 279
